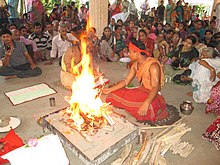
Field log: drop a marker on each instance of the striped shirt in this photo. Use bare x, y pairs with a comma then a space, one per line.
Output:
17, 56
43, 42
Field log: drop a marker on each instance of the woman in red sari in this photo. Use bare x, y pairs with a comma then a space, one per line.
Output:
144, 102
116, 7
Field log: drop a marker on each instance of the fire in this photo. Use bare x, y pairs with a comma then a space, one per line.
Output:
85, 104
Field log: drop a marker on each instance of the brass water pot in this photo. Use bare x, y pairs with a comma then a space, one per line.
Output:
186, 107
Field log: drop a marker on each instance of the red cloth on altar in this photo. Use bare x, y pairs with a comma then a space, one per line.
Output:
11, 141
132, 99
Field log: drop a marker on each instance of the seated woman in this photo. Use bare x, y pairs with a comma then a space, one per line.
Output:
203, 75
181, 59
68, 72
107, 45
173, 46
146, 40
144, 102
161, 48
93, 43
198, 45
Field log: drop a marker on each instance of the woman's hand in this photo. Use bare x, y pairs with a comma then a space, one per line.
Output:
143, 109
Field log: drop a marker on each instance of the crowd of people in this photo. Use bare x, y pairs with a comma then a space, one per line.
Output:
168, 43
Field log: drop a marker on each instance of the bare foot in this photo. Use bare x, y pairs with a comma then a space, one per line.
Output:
189, 94
10, 77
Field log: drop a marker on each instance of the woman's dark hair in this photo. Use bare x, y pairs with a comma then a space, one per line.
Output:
103, 35
69, 6
196, 34
54, 10
178, 34
5, 31
140, 45
22, 27
161, 33
37, 24
170, 31
183, 23
167, 24
216, 35
117, 26
148, 27
12, 24
192, 38
143, 31
105, 28
93, 28
209, 31
119, 20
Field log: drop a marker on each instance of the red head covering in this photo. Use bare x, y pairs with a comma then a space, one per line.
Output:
136, 49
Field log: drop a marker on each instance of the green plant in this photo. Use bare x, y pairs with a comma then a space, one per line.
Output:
200, 10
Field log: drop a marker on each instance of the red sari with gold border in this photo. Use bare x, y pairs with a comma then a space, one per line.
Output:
131, 99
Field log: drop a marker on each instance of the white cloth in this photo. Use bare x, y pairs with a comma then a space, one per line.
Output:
49, 151
123, 16
59, 46
201, 83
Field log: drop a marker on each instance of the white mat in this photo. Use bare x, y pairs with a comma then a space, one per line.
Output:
29, 93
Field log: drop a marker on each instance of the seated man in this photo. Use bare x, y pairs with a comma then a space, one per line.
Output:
29, 44
42, 41
61, 43
144, 102
71, 66
15, 58
68, 72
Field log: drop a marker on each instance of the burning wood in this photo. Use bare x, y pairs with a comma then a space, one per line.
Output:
87, 112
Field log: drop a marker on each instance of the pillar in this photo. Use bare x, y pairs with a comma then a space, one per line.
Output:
98, 15
214, 6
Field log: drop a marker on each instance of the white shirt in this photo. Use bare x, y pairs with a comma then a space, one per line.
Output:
59, 46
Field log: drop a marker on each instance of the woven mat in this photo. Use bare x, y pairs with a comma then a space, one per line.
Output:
30, 93
173, 116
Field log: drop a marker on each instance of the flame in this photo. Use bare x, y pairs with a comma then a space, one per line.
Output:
84, 99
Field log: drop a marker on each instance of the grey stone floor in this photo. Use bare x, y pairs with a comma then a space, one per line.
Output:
203, 154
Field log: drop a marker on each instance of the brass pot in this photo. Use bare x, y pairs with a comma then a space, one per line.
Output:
186, 107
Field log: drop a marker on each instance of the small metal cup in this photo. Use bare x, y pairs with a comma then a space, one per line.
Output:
52, 102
